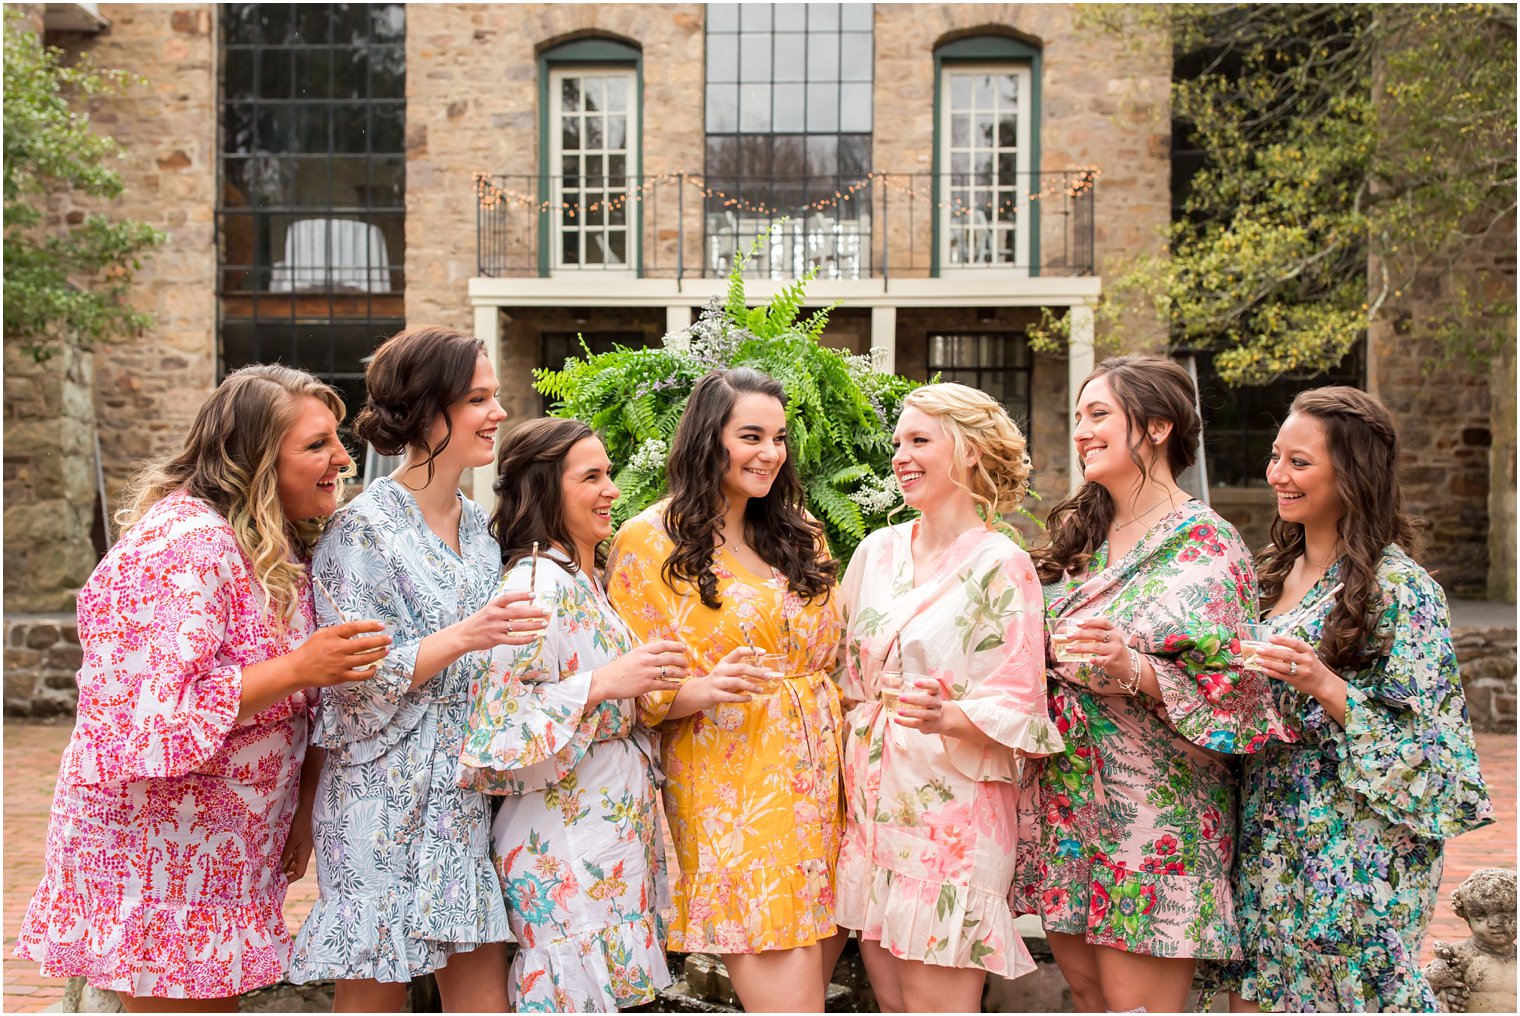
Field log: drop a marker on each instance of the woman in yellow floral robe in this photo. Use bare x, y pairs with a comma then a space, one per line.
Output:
753, 785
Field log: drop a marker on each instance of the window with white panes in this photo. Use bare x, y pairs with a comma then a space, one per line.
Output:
594, 147
985, 173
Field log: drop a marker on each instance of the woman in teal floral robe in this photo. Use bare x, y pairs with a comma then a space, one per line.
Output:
1341, 834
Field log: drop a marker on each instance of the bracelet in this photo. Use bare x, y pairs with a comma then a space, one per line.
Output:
1131, 685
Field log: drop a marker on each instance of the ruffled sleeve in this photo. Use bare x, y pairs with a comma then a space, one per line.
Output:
158, 636
643, 600
1407, 746
1208, 697
1004, 690
528, 726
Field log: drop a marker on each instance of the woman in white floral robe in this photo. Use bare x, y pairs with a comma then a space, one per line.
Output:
576, 841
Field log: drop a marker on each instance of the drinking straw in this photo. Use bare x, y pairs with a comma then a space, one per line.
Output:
533, 570
342, 618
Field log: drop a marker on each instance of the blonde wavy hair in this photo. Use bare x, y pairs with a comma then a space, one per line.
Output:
229, 460
974, 420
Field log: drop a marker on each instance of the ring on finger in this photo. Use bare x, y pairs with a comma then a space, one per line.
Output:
1292, 668
1105, 636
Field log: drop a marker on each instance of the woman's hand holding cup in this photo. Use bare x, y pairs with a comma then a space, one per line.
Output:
655, 666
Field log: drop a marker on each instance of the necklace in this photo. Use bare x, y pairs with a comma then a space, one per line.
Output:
1121, 525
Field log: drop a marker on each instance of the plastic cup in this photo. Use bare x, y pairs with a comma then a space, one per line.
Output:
1258, 637
1064, 631
891, 684
390, 631
774, 665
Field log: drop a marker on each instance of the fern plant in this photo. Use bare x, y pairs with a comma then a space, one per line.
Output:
840, 411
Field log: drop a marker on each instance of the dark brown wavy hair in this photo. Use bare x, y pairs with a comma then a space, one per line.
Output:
530, 468
776, 525
1364, 452
415, 376
1148, 389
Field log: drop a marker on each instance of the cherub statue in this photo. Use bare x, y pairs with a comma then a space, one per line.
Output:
1478, 974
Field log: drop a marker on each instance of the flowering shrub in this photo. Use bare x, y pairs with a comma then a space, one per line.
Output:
840, 411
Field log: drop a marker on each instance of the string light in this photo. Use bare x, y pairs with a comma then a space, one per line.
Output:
1070, 184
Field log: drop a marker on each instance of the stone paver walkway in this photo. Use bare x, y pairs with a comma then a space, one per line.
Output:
31, 757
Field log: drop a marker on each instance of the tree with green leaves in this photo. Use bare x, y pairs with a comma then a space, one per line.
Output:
65, 281
1348, 153
840, 411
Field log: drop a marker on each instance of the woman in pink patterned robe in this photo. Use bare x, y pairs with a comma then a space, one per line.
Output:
167, 854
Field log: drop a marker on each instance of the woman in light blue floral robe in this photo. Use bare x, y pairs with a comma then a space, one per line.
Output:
553, 726
1341, 835
403, 854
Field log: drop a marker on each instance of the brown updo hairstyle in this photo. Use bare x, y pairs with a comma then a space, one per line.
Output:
414, 377
776, 526
1149, 389
530, 468
975, 421
1363, 442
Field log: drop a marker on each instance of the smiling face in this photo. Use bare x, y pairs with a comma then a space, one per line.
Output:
586, 496
310, 459
1101, 433
1302, 475
475, 418
755, 438
925, 461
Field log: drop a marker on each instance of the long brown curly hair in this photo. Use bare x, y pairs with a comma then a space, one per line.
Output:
530, 468
1364, 451
1148, 389
776, 525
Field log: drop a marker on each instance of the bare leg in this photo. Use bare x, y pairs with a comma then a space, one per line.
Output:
475, 981
1239, 1004
785, 980
881, 968
830, 948
368, 995
1131, 980
1078, 961
147, 1003
929, 988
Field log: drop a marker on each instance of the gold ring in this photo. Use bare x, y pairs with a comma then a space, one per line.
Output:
1292, 668
509, 627
662, 672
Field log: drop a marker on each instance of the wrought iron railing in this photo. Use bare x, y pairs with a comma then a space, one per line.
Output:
879, 226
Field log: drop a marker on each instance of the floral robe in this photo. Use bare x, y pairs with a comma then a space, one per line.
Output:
1137, 815
577, 845
929, 839
1341, 834
753, 788
162, 873
403, 854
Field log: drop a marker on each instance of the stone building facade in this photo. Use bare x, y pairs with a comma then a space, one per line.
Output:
1079, 108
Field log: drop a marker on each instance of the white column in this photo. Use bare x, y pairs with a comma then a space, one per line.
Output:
487, 330
884, 339
677, 320
1079, 364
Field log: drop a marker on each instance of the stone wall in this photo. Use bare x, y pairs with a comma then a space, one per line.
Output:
1502, 478
149, 388
472, 106
42, 655
1486, 656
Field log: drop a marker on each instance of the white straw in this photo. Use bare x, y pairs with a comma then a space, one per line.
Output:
342, 618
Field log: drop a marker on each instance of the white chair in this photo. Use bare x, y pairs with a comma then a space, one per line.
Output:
341, 253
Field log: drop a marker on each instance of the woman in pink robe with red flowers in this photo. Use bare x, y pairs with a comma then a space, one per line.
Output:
168, 852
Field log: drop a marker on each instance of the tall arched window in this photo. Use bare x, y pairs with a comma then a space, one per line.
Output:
986, 154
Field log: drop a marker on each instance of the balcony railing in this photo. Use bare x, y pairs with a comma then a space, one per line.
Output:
879, 226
